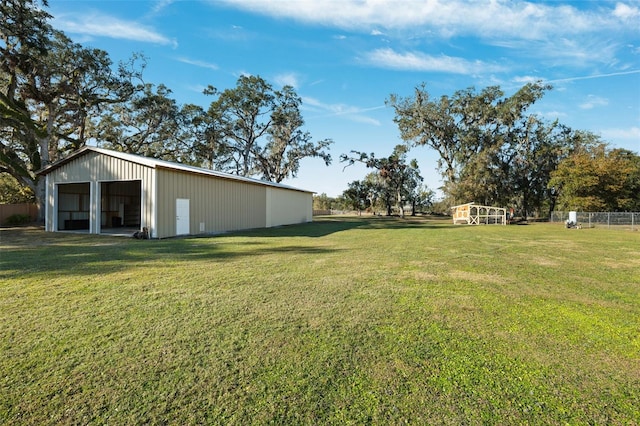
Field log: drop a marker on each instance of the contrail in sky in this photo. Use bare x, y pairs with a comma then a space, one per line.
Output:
593, 76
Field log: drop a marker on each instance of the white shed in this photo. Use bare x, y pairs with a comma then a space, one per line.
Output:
108, 192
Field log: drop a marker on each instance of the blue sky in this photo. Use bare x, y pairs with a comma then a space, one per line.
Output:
345, 57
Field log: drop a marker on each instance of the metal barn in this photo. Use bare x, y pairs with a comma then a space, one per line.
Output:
101, 191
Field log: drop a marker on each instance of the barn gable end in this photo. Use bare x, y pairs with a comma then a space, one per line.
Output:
96, 204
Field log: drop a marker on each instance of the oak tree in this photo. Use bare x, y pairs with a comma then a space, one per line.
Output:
597, 178
150, 123
397, 176
51, 91
256, 130
492, 150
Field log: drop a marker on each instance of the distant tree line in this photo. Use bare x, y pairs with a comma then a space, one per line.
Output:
494, 152
56, 96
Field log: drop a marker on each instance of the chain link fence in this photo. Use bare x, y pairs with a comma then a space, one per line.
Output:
612, 220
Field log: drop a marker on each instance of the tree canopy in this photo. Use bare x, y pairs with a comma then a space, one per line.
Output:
396, 180
51, 90
150, 124
491, 149
256, 130
56, 96
596, 178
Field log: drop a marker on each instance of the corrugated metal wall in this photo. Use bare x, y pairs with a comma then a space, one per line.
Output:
285, 207
215, 204
95, 168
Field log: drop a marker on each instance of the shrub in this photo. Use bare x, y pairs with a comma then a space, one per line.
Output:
18, 219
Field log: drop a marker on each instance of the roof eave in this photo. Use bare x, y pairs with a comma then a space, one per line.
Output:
155, 163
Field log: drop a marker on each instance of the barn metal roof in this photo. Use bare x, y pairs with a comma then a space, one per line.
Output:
155, 163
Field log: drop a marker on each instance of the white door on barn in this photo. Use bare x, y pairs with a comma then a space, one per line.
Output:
182, 216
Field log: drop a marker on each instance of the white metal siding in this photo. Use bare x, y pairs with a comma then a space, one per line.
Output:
94, 167
285, 207
215, 204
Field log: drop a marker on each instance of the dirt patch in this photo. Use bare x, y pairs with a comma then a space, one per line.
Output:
22, 236
35, 236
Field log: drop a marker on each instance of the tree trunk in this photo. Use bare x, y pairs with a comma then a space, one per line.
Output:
41, 199
400, 204
525, 204
48, 151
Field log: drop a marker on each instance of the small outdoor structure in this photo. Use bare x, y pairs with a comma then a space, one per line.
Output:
475, 214
100, 191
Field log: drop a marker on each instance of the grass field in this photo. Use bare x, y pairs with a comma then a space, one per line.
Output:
352, 320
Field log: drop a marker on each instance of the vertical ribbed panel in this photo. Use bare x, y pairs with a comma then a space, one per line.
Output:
287, 207
220, 204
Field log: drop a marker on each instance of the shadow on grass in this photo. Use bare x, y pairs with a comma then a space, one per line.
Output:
320, 227
326, 225
31, 250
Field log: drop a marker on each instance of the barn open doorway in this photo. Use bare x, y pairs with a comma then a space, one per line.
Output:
120, 207
74, 206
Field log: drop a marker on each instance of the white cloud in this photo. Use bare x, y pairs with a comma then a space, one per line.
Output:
626, 12
560, 51
418, 61
198, 88
631, 134
594, 101
491, 19
349, 112
589, 77
287, 79
198, 63
562, 33
99, 25
161, 5
628, 138
526, 79
231, 33
552, 115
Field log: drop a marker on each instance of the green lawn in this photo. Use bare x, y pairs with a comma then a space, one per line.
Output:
353, 320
